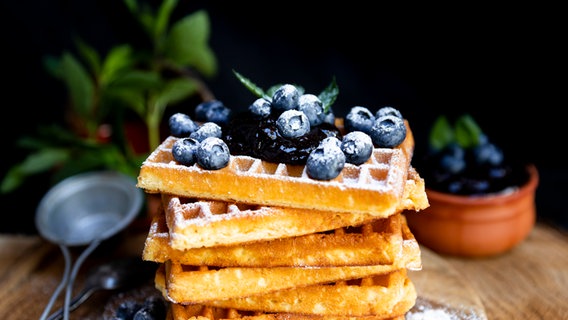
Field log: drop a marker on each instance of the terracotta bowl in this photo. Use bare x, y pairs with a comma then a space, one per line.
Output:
471, 226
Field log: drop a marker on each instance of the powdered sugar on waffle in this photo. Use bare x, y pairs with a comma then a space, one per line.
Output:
374, 187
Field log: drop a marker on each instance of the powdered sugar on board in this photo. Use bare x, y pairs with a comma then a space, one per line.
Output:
424, 310
442, 293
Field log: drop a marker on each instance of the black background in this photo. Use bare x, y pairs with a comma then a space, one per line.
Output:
503, 65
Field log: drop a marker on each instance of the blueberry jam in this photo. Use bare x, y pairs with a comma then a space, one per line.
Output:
246, 134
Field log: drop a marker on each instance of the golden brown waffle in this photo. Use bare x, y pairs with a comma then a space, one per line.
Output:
200, 312
204, 223
385, 295
196, 284
375, 187
199, 223
378, 242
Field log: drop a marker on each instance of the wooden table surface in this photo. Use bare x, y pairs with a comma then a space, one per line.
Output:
529, 282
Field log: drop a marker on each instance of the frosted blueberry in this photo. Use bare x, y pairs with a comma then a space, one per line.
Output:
212, 111
329, 117
334, 140
153, 308
312, 106
388, 110
293, 124
260, 108
213, 153
359, 119
184, 151
285, 98
181, 125
325, 162
208, 129
388, 132
202, 108
357, 147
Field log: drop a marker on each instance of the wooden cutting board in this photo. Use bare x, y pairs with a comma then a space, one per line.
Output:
443, 293
530, 282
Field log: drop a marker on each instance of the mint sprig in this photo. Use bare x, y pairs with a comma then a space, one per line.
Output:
465, 132
327, 96
256, 90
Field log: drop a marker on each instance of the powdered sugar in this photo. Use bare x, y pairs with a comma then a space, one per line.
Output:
425, 311
431, 314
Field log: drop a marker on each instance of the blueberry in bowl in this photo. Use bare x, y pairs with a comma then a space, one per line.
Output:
481, 202
463, 160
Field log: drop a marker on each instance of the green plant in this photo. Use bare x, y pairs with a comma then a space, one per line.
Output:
103, 90
465, 132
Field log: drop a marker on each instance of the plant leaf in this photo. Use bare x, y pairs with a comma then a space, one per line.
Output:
441, 134
143, 14
256, 90
131, 88
90, 55
79, 84
132, 99
467, 131
117, 60
163, 17
132, 5
34, 163
138, 79
329, 95
176, 90
186, 43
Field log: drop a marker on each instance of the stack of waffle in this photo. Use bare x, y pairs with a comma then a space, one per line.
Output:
261, 240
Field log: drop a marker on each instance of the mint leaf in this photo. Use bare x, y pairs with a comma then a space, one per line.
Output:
467, 131
256, 90
441, 134
328, 95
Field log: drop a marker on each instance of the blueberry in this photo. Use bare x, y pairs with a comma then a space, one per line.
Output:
329, 117
325, 162
357, 147
260, 108
184, 151
312, 106
153, 308
127, 309
388, 110
181, 125
213, 153
212, 111
488, 153
388, 131
359, 119
202, 109
452, 159
285, 98
334, 140
293, 124
208, 129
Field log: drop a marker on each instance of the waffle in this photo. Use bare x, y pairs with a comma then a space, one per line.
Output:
378, 242
258, 240
201, 312
382, 296
197, 223
374, 187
